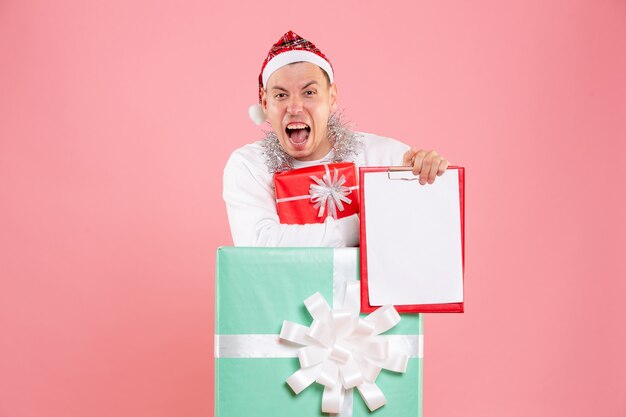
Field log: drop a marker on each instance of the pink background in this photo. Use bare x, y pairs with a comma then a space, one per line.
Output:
116, 119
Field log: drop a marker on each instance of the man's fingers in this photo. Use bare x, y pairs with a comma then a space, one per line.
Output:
426, 165
442, 167
418, 164
432, 174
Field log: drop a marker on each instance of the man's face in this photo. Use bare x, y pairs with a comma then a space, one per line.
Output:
298, 102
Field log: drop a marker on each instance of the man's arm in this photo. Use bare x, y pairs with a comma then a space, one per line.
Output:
251, 207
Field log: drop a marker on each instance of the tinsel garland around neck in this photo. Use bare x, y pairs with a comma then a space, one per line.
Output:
345, 143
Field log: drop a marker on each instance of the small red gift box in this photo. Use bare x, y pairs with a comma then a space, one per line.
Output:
309, 195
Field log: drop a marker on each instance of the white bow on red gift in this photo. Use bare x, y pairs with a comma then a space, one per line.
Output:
329, 191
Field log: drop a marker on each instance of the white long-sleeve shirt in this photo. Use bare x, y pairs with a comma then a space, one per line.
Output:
251, 201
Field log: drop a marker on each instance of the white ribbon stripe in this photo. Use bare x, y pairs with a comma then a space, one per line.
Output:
307, 196
270, 346
342, 351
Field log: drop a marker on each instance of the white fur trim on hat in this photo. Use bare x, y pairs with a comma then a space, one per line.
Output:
256, 114
289, 57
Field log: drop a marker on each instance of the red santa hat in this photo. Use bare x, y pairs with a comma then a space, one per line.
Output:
290, 48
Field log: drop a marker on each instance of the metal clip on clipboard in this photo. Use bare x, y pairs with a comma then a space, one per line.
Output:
402, 174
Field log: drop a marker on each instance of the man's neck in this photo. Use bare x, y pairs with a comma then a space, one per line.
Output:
326, 159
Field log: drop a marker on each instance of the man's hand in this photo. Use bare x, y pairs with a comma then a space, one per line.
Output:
428, 165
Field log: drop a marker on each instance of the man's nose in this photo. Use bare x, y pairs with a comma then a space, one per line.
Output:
294, 106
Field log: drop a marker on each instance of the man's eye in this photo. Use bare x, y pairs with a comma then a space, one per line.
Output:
309, 92
280, 95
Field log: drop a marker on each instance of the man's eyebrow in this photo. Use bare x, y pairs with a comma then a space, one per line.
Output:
307, 85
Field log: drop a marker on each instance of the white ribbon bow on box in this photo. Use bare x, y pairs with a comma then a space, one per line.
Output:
329, 191
342, 351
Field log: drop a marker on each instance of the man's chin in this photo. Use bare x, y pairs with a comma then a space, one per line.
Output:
301, 156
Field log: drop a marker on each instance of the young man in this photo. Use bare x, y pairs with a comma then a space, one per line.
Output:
298, 97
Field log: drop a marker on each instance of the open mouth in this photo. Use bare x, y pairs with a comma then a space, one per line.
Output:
298, 133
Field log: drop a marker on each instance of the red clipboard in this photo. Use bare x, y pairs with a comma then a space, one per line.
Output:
366, 307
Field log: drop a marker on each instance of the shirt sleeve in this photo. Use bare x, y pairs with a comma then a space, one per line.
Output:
251, 207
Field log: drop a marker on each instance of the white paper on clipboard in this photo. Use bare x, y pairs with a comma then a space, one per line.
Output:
414, 242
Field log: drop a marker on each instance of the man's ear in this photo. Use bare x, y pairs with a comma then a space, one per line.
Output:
332, 90
263, 100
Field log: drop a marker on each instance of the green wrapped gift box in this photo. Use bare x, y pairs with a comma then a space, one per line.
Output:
256, 290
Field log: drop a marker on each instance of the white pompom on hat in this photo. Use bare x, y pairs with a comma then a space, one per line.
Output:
256, 113
290, 48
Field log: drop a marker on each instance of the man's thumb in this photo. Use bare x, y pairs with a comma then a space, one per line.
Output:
409, 157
